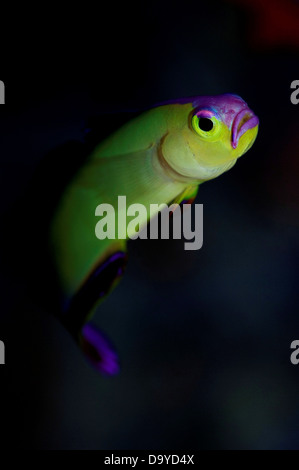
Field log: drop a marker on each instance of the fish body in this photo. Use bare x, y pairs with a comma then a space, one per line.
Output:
160, 157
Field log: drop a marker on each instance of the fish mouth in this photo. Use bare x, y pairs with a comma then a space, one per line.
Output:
243, 121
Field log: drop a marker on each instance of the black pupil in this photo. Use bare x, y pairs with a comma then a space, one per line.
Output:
205, 124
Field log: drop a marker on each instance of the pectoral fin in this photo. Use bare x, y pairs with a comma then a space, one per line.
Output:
187, 196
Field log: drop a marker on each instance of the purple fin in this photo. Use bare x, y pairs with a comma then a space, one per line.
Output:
93, 343
99, 350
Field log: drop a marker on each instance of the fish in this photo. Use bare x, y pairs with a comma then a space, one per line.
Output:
159, 157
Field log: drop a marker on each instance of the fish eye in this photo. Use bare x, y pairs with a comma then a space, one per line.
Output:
205, 124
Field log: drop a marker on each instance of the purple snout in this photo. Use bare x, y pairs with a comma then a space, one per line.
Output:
243, 121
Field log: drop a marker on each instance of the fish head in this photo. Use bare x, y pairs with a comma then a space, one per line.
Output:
210, 134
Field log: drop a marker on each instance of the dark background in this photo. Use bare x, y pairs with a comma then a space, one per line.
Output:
204, 337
